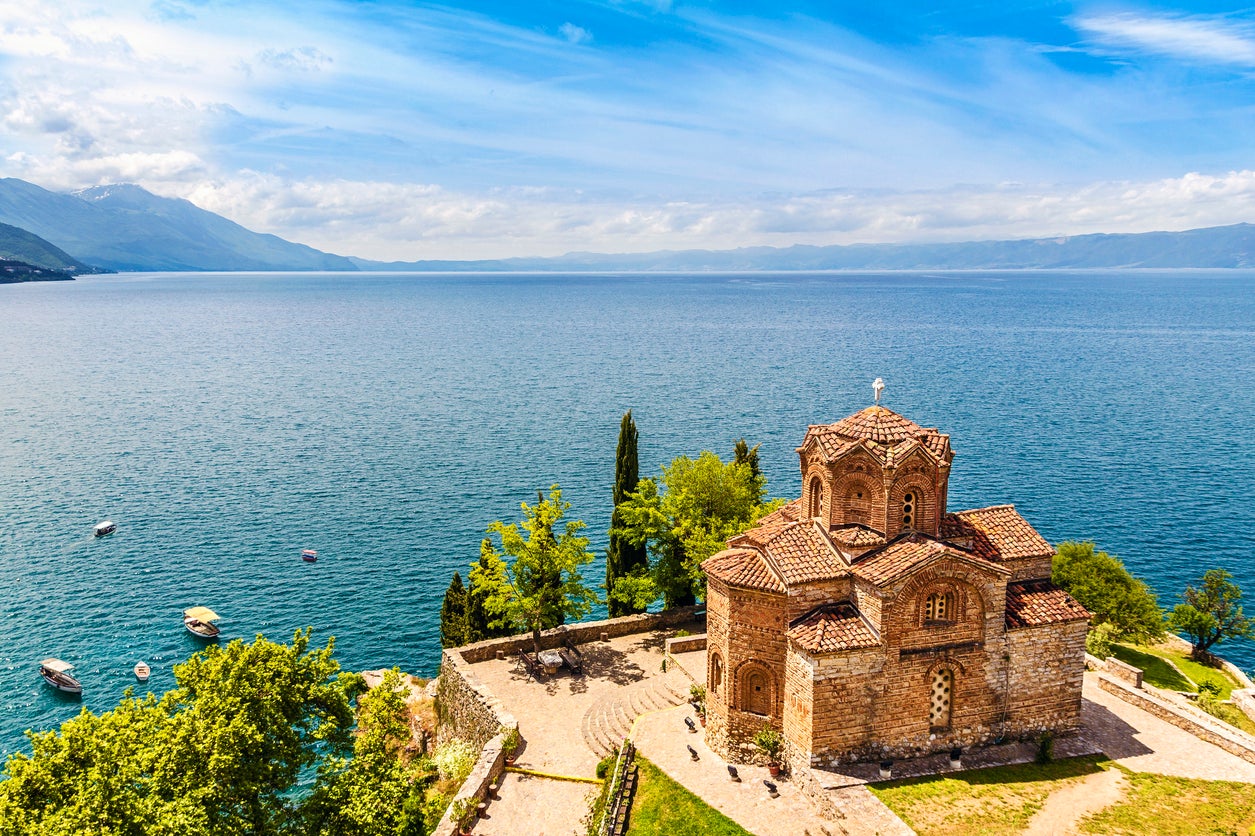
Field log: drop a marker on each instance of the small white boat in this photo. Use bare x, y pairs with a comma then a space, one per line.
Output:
142, 671
309, 556
57, 674
199, 621
106, 527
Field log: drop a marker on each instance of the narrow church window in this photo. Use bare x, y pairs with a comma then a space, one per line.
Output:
939, 703
716, 672
817, 497
939, 606
908, 510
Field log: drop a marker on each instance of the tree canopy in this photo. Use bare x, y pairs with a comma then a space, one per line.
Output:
1106, 588
702, 502
542, 586
453, 614
220, 754
623, 556
1211, 613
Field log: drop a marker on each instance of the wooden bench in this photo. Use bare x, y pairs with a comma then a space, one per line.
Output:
533, 667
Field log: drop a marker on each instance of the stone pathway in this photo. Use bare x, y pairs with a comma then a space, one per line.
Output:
1065, 808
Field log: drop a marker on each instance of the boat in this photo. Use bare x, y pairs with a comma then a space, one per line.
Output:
106, 527
199, 621
142, 671
309, 556
57, 674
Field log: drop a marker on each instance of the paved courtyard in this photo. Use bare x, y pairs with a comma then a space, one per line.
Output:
570, 722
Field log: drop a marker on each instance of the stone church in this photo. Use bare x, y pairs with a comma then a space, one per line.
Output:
865, 621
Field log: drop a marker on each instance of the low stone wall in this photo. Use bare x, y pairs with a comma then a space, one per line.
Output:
809, 785
686, 644
475, 788
467, 708
581, 633
1244, 699
1220, 734
1123, 671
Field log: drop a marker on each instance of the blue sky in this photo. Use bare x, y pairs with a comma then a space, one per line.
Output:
416, 130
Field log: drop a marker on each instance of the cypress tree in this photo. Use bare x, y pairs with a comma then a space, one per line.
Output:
749, 455
453, 614
622, 556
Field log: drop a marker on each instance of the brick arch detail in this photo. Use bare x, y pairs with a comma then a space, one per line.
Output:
926, 516
741, 681
818, 475
916, 591
871, 505
717, 675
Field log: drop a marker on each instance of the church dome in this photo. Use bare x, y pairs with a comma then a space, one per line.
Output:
878, 424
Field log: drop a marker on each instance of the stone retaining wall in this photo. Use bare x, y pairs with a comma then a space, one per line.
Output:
475, 788
1244, 699
1231, 740
1123, 671
686, 644
581, 633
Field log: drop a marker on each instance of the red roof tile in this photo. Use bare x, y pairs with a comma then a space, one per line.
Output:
857, 536
831, 629
743, 567
1033, 603
884, 433
904, 554
997, 533
788, 512
801, 553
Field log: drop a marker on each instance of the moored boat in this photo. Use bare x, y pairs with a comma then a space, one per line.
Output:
142, 671
106, 527
57, 674
309, 556
199, 621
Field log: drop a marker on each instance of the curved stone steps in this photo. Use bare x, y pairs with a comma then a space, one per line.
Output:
608, 721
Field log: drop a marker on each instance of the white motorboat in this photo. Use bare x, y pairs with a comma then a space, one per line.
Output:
199, 621
142, 671
106, 527
57, 674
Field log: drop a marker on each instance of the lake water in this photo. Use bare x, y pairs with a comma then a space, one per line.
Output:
227, 421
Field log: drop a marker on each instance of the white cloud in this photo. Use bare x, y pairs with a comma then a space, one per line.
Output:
575, 34
391, 221
1201, 39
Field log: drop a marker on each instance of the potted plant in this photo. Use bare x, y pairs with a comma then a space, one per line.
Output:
463, 814
769, 742
510, 742
697, 698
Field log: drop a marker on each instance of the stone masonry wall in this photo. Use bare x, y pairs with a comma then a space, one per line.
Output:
1044, 683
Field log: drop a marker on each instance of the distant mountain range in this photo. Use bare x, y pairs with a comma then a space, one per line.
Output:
124, 227
25, 257
127, 228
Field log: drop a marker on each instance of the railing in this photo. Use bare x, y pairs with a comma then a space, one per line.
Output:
622, 788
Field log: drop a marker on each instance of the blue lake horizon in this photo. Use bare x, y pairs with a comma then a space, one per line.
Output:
225, 422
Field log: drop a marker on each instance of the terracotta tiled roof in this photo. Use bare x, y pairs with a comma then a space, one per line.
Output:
997, 533
905, 554
801, 553
883, 432
832, 628
743, 567
857, 536
789, 512
1032, 603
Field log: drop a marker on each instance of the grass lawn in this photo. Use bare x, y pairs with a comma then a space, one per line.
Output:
1169, 806
664, 808
1161, 675
982, 802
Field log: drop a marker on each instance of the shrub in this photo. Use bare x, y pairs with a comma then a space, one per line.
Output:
511, 738
1046, 747
455, 760
1099, 640
769, 742
606, 764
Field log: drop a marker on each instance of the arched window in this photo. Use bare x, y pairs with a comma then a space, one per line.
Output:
716, 672
756, 692
941, 689
910, 505
939, 606
817, 498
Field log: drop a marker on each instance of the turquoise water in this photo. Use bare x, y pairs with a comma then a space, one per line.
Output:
226, 422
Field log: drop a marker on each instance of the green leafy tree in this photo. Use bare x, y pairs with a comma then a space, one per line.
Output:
220, 754
480, 625
1106, 588
1211, 614
703, 502
623, 556
542, 586
380, 790
453, 614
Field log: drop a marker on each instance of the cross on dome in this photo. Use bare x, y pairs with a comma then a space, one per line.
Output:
878, 386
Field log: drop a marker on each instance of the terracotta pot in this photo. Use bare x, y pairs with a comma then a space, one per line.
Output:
774, 769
